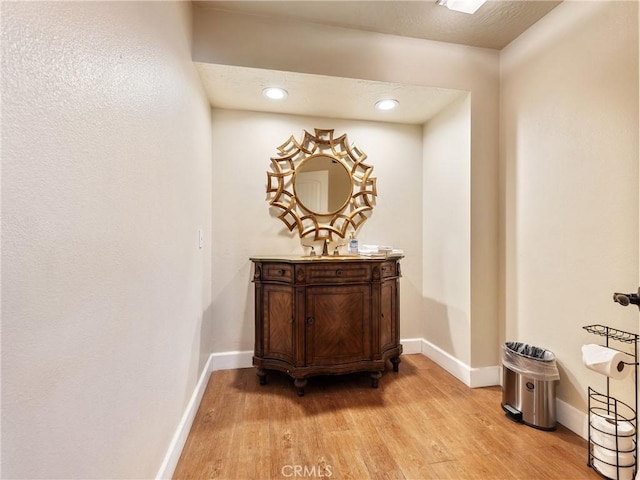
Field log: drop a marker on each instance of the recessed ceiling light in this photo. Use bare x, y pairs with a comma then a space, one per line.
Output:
275, 93
387, 104
464, 6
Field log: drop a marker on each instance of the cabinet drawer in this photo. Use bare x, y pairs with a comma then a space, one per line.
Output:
345, 273
388, 269
279, 272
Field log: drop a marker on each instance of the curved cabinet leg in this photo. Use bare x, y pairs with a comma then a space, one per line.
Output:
375, 376
262, 376
300, 383
395, 361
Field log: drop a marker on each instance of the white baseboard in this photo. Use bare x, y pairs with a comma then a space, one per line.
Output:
572, 418
411, 345
216, 361
182, 431
485, 377
471, 377
231, 360
447, 361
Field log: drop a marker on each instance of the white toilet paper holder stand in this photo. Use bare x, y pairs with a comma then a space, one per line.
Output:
612, 448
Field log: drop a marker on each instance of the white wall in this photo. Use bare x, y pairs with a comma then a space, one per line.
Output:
260, 42
244, 225
105, 180
446, 230
570, 181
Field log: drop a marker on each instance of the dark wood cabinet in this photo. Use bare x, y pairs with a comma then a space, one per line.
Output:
316, 316
278, 322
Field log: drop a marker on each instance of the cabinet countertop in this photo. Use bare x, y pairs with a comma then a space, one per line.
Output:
324, 258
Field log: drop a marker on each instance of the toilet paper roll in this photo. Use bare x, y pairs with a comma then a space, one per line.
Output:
606, 361
604, 431
605, 462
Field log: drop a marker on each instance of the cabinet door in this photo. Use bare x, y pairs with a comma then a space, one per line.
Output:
338, 324
278, 326
388, 315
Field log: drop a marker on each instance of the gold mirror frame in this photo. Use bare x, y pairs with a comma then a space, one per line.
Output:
280, 188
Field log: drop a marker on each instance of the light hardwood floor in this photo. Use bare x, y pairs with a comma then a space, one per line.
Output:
421, 423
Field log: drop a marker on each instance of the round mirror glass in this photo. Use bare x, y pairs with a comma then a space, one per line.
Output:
322, 185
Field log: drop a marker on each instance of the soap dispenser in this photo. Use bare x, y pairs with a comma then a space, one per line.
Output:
353, 244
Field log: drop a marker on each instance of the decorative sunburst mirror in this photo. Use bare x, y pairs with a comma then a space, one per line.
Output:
321, 184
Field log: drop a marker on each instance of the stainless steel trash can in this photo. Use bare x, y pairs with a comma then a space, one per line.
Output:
529, 382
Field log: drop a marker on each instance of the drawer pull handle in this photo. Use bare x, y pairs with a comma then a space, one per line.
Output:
281, 272
339, 273
310, 321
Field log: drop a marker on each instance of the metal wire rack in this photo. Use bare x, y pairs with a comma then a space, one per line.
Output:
613, 425
612, 333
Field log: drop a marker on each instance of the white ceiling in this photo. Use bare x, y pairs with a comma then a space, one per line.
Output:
240, 88
495, 25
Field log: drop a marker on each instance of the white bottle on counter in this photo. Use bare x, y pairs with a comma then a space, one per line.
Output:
353, 244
